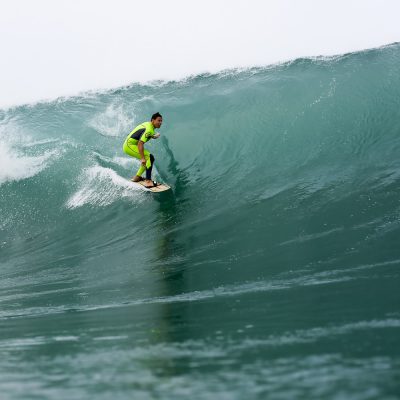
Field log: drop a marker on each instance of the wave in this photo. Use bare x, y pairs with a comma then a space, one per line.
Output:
278, 241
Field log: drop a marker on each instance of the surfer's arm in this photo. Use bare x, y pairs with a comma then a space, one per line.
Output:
156, 136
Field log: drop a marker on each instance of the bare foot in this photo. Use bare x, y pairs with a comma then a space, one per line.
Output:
148, 183
136, 178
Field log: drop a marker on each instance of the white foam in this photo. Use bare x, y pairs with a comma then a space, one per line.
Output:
114, 121
41, 142
15, 166
102, 186
124, 161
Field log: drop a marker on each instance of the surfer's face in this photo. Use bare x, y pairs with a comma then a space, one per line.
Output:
157, 122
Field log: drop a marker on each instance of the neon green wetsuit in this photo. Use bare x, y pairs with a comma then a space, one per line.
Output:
143, 132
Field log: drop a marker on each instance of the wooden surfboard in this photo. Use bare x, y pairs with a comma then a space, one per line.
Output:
160, 187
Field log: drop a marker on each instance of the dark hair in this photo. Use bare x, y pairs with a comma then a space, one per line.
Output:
156, 115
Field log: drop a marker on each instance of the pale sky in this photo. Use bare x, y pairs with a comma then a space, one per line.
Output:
52, 48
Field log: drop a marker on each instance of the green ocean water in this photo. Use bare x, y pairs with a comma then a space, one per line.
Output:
270, 271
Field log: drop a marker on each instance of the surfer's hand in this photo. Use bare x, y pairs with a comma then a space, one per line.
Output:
143, 161
156, 135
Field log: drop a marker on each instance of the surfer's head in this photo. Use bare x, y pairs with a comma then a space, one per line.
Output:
156, 120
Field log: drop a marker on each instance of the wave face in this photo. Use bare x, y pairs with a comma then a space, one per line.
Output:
270, 270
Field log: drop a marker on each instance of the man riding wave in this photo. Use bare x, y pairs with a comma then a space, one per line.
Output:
134, 146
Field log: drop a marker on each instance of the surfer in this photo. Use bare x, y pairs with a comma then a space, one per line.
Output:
134, 146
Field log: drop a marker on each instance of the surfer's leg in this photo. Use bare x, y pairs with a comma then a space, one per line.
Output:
148, 163
149, 166
132, 150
